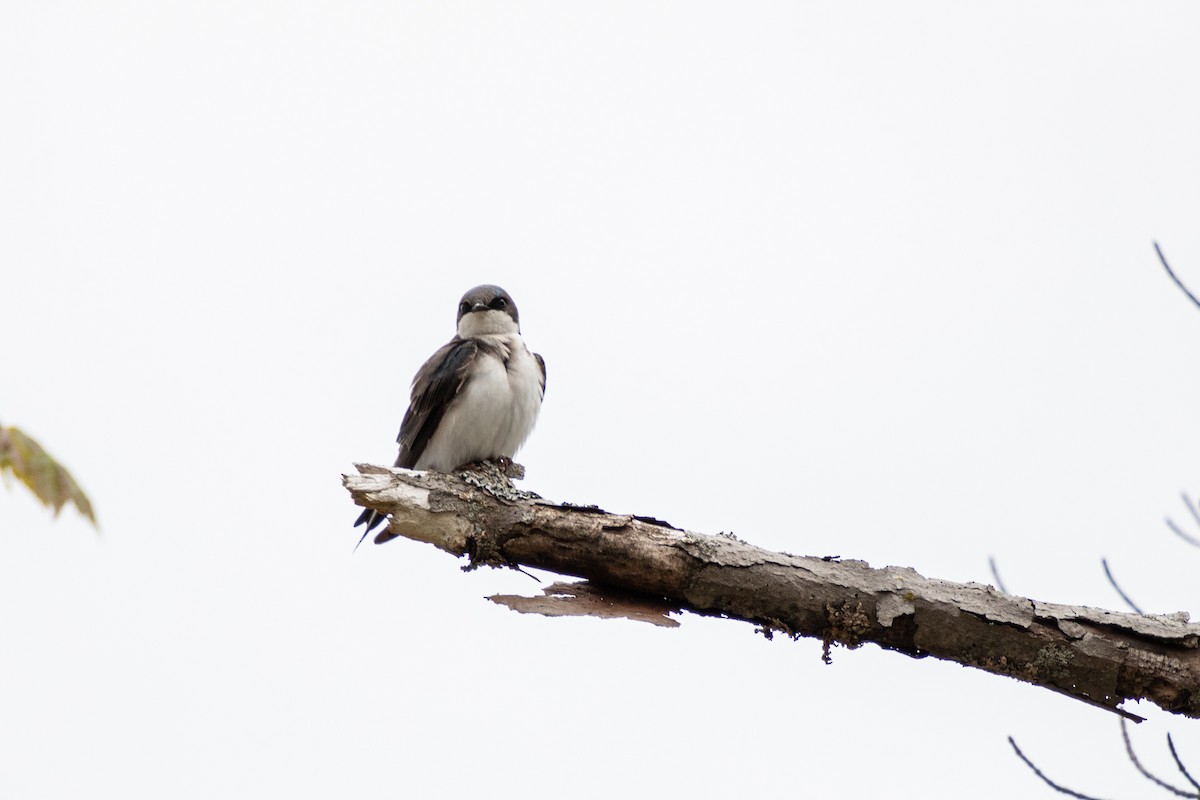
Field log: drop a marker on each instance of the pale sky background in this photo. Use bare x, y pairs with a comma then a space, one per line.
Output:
871, 279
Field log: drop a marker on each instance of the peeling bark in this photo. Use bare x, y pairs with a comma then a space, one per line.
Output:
1100, 657
584, 599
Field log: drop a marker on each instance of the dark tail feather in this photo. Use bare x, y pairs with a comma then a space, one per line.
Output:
371, 519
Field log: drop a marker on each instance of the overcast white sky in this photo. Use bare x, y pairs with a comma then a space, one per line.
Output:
868, 279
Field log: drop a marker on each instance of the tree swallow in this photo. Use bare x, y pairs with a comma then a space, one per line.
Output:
476, 398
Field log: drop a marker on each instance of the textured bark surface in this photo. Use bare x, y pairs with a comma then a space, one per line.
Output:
1099, 657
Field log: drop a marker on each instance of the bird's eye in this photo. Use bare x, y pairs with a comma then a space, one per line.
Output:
464, 307
499, 303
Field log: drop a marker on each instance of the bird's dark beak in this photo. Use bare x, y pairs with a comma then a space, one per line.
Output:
479, 307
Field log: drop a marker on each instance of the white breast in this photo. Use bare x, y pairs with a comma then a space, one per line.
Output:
494, 412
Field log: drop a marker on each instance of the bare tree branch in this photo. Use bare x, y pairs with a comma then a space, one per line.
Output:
996, 575
1194, 510
1047, 781
1179, 763
1095, 656
1174, 277
1181, 534
1108, 574
1145, 772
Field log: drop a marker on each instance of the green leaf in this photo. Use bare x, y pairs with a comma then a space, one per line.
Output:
49, 481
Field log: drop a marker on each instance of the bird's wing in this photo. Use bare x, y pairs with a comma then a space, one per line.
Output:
542, 366
437, 383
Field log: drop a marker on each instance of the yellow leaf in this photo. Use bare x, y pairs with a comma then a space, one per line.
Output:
49, 481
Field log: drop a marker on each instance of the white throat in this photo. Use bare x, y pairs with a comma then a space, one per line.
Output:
486, 323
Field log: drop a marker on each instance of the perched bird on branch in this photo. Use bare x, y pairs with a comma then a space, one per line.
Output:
476, 398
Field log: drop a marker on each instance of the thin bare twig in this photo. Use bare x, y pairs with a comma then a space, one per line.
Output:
1179, 763
1113, 581
1120, 712
1194, 510
1145, 772
1174, 277
1046, 780
996, 575
1175, 528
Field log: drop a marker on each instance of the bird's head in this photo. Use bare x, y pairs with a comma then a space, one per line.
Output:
487, 309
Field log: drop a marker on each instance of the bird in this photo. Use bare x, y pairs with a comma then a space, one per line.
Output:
477, 398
